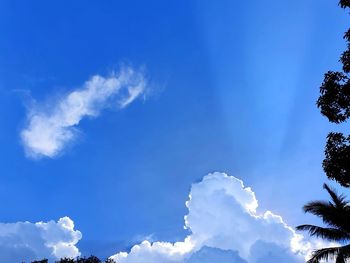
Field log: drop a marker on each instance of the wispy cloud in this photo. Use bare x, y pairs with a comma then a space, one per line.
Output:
50, 129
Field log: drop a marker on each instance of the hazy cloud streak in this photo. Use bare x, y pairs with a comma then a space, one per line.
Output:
50, 129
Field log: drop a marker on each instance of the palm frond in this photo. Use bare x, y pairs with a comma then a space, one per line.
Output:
331, 234
340, 254
340, 259
334, 216
345, 251
339, 200
323, 254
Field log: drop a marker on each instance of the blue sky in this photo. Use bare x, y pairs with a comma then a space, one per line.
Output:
230, 87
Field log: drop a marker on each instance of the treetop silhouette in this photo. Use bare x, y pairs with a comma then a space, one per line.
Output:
336, 215
334, 103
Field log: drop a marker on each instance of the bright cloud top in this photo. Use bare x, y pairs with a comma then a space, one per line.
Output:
222, 219
224, 224
25, 241
50, 129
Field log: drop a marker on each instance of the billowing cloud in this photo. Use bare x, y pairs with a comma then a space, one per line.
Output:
222, 219
50, 129
211, 255
25, 241
224, 223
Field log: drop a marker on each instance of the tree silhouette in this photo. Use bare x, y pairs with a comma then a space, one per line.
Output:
344, 3
91, 259
334, 103
66, 260
336, 215
337, 161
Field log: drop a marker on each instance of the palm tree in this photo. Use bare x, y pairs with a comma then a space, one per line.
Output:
336, 215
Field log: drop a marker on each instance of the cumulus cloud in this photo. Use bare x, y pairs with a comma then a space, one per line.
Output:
224, 224
49, 129
211, 255
222, 219
25, 241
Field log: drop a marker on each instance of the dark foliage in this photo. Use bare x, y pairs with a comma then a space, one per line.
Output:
337, 161
344, 3
334, 103
66, 260
336, 215
334, 100
91, 259
345, 60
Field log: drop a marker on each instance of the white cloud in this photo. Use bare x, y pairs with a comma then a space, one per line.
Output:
157, 252
223, 216
50, 129
213, 255
25, 241
222, 219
